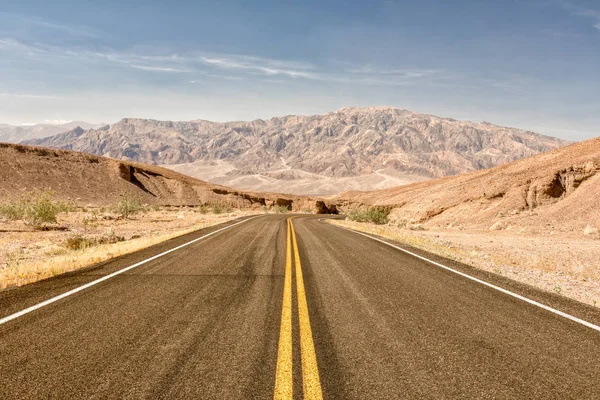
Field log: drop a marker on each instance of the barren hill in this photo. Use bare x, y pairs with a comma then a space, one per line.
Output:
319, 155
92, 180
557, 191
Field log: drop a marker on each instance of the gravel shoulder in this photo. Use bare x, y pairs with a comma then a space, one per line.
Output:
563, 265
83, 238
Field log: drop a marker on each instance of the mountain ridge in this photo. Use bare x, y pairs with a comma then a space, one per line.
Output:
18, 133
349, 142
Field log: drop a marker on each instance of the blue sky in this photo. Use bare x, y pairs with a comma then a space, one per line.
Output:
532, 64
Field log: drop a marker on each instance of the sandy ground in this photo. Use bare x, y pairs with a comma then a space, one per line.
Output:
289, 180
565, 265
27, 255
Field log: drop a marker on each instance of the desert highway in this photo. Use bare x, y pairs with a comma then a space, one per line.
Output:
273, 307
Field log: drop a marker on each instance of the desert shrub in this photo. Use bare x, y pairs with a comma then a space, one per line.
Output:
376, 215
203, 209
109, 237
220, 207
128, 206
281, 209
11, 211
35, 208
78, 242
12, 259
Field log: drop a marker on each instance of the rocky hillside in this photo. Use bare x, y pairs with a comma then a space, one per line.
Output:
15, 134
557, 191
390, 142
92, 180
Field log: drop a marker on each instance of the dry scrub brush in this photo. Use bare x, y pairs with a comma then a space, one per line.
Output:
35, 208
376, 215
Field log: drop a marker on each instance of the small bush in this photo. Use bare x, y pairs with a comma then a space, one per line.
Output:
281, 209
376, 215
35, 208
128, 206
109, 237
11, 211
78, 242
13, 259
219, 207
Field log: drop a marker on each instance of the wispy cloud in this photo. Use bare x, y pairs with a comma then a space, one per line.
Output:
155, 68
31, 96
585, 12
216, 76
593, 14
401, 73
261, 65
36, 22
234, 67
373, 75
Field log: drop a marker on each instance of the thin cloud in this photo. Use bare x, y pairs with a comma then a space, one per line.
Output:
584, 12
239, 67
401, 73
30, 96
70, 29
218, 76
157, 68
593, 14
263, 66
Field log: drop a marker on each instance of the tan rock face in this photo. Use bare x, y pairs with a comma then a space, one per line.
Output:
348, 143
558, 191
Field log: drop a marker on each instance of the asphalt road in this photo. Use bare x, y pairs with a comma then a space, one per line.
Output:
267, 308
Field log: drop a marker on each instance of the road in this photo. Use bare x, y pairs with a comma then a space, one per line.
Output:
268, 308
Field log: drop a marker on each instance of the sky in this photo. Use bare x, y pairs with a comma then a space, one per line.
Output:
531, 64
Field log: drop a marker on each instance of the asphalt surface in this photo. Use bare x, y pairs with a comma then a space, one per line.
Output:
204, 321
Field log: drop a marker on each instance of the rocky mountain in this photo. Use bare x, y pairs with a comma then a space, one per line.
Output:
15, 134
383, 146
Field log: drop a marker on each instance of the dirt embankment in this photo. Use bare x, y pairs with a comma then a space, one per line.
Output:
551, 193
99, 181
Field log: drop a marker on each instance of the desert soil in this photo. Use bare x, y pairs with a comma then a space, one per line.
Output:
565, 264
28, 255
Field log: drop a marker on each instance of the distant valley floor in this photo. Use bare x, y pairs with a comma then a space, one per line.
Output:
291, 181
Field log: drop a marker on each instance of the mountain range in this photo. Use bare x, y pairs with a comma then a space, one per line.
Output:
350, 149
18, 133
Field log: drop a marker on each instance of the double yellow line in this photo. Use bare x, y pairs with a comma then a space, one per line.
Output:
311, 384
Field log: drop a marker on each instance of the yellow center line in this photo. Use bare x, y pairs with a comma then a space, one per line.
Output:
283, 379
311, 384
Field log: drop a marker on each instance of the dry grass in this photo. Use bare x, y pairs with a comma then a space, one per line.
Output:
563, 265
27, 255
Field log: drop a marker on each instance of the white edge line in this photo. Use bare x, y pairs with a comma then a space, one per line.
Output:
498, 288
104, 278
